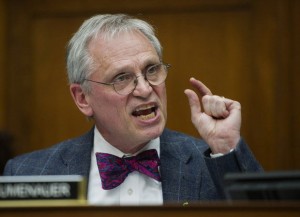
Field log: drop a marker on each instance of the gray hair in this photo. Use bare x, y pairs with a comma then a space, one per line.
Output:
79, 61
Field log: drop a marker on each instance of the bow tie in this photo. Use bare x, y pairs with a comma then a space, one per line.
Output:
114, 170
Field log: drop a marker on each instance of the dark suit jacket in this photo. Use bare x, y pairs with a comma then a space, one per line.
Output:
187, 171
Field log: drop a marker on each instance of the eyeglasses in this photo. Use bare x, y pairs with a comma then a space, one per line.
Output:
126, 83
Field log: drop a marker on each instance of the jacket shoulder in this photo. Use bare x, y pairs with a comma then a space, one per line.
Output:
34, 163
183, 140
173, 136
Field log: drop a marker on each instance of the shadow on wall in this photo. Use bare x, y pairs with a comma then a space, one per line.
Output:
6, 149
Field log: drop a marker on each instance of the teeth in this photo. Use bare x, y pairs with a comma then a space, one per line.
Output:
146, 117
145, 112
144, 108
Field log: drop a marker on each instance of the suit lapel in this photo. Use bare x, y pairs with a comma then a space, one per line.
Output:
179, 182
77, 159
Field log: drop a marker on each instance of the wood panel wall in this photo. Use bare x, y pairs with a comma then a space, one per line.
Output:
242, 49
2, 63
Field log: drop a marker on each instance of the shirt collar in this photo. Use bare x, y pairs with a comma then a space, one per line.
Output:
101, 145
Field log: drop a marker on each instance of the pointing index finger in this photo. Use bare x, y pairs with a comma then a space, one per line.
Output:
200, 87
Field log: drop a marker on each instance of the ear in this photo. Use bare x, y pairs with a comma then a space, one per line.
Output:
81, 99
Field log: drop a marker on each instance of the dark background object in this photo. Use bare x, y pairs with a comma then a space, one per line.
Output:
279, 185
6, 141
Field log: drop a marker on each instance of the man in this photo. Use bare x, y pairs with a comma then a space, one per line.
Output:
117, 78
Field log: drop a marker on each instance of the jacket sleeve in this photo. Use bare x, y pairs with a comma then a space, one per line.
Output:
239, 160
8, 169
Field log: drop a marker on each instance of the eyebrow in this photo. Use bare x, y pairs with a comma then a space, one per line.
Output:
130, 68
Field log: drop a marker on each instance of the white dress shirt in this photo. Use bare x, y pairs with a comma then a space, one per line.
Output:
137, 189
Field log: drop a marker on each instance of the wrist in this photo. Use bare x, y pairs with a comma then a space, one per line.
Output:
223, 145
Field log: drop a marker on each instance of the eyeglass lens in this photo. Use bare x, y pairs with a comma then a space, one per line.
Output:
155, 75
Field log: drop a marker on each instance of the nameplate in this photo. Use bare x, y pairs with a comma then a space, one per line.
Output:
42, 188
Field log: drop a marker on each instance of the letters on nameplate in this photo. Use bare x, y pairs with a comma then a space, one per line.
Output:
49, 189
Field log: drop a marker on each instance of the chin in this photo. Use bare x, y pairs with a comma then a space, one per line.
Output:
154, 133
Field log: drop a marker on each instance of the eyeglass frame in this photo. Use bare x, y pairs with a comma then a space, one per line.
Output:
166, 65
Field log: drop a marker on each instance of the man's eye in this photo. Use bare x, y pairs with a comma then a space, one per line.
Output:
122, 78
153, 69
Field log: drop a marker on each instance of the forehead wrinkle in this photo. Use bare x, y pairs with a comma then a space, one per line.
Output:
131, 51
138, 61
138, 51
110, 64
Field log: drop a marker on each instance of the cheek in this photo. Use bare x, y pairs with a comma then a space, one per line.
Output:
110, 108
162, 94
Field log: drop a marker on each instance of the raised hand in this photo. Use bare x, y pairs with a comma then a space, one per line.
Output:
218, 122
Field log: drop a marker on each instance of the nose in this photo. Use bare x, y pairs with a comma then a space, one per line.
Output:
143, 87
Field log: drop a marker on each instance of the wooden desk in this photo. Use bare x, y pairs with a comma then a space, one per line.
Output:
264, 209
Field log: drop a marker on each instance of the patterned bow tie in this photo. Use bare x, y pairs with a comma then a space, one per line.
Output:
114, 170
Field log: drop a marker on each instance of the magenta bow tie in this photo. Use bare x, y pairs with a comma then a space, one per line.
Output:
114, 170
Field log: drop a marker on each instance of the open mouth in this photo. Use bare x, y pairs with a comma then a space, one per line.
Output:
146, 112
